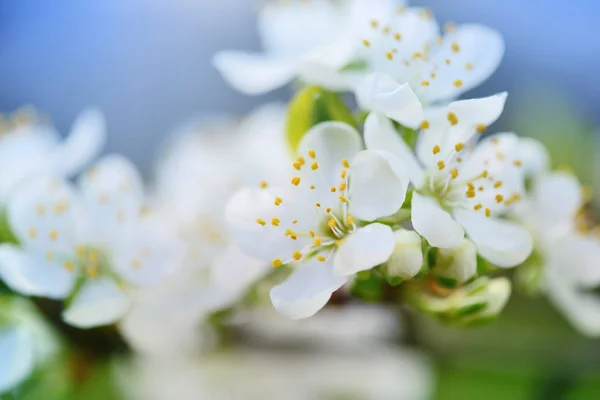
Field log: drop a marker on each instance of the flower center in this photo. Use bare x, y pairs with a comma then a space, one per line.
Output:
328, 220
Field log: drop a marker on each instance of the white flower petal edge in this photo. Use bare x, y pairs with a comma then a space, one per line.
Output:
307, 290
378, 186
85, 142
253, 73
16, 357
234, 271
434, 223
98, 302
503, 243
381, 93
381, 135
364, 249
32, 276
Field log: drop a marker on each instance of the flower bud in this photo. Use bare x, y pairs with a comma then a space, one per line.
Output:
477, 302
407, 258
457, 265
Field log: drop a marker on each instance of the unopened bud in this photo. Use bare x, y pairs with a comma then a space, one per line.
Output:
407, 258
458, 264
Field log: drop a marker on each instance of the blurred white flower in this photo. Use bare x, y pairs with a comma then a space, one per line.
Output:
26, 342
461, 185
92, 243
407, 259
36, 148
321, 220
200, 168
569, 258
293, 33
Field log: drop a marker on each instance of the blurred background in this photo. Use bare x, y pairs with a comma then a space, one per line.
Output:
146, 64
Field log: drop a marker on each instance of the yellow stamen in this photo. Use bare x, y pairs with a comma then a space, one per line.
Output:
300, 159
32, 233
297, 165
345, 163
457, 83
314, 166
517, 163
425, 124
312, 187
481, 128
488, 212
69, 265
477, 207
318, 204
424, 83
397, 36
317, 241
278, 200
261, 221
389, 55
276, 263
366, 43
312, 154
328, 210
53, 235
339, 242
275, 221
342, 198
297, 255
452, 118
343, 173
343, 186
321, 258
499, 198
296, 180
459, 146
470, 194
349, 220
441, 165
454, 173
333, 189
331, 223
498, 184
469, 66
455, 47
436, 149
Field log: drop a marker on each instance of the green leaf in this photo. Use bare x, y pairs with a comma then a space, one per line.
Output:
370, 288
313, 105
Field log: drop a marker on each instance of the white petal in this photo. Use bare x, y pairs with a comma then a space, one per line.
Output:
364, 249
407, 258
34, 276
479, 46
435, 224
43, 214
16, 357
267, 242
98, 302
295, 28
85, 142
381, 135
575, 257
252, 73
557, 198
580, 307
234, 271
322, 67
113, 191
503, 243
381, 93
332, 142
307, 290
378, 185
534, 155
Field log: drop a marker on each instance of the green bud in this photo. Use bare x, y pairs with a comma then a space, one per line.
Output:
311, 106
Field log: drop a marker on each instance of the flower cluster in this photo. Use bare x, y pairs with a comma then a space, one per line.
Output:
408, 194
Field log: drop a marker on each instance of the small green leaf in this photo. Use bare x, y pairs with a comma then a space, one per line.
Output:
311, 106
448, 283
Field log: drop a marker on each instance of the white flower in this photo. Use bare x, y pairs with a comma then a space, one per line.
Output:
92, 244
26, 342
293, 33
200, 168
569, 258
403, 64
459, 263
407, 258
35, 149
321, 221
460, 185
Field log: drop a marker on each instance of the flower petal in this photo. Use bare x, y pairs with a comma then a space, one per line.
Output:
557, 198
379, 184
234, 271
113, 191
381, 135
579, 307
34, 276
253, 73
381, 93
16, 353
503, 243
364, 249
332, 143
307, 290
474, 52
323, 67
407, 259
434, 223
266, 242
98, 302
535, 156
85, 142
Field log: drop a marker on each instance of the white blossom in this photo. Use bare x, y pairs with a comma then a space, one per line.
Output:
323, 221
461, 185
91, 244
407, 259
36, 148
